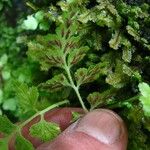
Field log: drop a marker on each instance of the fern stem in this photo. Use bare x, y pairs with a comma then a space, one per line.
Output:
80, 99
76, 89
42, 112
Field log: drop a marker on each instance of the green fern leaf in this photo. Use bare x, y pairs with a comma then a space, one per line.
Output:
56, 83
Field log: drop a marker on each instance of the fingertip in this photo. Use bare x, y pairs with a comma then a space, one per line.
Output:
105, 126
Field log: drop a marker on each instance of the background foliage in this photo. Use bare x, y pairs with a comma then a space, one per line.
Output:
111, 36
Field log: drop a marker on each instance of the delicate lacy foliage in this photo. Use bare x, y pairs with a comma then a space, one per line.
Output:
48, 131
113, 32
101, 45
60, 48
84, 75
97, 99
57, 82
27, 102
27, 97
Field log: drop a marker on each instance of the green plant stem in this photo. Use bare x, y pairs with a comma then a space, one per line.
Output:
76, 89
120, 104
42, 112
80, 99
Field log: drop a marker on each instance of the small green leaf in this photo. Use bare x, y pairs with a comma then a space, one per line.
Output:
115, 79
85, 17
131, 72
145, 97
6, 126
80, 75
136, 35
108, 15
116, 40
39, 16
127, 55
84, 75
56, 83
37, 53
127, 50
127, 70
96, 40
22, 143
133, 33
27, 96
77, 55
30, 23
95, 97
46, 131
52, 56
72, 43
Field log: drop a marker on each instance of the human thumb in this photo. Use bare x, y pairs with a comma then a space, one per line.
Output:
100, 129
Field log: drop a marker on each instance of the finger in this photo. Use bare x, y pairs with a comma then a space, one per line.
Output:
61, 116
98, 130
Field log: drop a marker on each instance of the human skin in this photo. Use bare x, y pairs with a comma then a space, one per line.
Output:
100, 129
